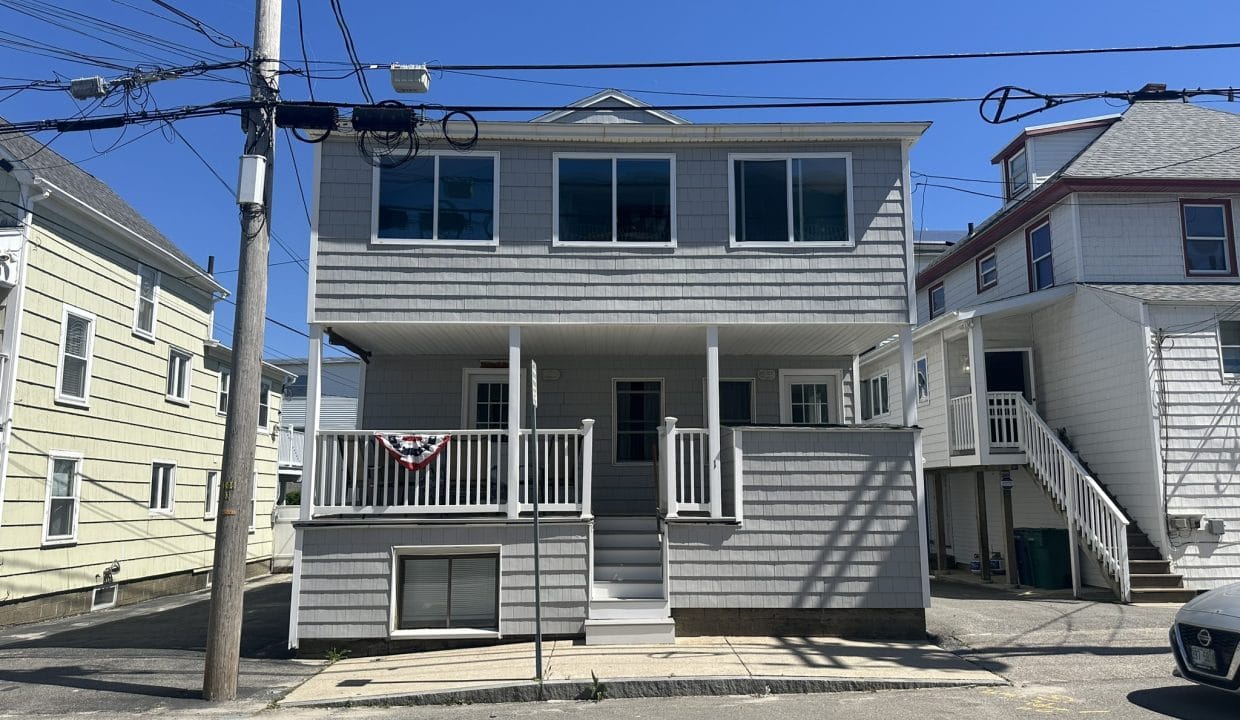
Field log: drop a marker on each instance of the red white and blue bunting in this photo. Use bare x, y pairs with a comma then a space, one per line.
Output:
413, 452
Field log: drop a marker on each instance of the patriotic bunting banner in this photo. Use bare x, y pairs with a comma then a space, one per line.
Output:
413, 452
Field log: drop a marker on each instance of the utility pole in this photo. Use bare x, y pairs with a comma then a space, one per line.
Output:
236, 489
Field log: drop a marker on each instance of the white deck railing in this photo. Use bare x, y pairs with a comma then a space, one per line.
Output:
291, 444
1003, 409
354, 474
1089, 510
961, 422
684, 470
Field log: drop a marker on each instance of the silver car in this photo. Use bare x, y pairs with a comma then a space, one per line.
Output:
1204, 638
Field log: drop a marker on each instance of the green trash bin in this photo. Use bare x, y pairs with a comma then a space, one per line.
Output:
1049, 557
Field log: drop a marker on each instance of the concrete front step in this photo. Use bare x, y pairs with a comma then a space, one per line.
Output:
1157, 580
622, 590
629, 572
629, 609
1162, 595
646, 631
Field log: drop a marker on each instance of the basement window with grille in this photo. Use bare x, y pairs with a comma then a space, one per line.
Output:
103, 597
445, 592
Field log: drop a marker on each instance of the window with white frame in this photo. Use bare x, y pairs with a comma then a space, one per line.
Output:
808, 397
791, 199
1041, 262
937, 297
76, 340
987, 271
180, 364
1208, 244
254, 502
1017, 174
1229, 348
923, 380
264, 404
639, 405
211, 499
221, 401
64, 482
163, 485
623, 199
147, 302
874, 400
446, 591
438, 197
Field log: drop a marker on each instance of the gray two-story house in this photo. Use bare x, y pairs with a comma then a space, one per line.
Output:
695, 298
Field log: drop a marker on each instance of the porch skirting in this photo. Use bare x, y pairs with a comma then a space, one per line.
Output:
851, 623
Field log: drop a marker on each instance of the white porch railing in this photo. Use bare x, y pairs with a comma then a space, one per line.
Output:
961, 422
291, 444
354, 475
1090, 512
1003, 409
684, 470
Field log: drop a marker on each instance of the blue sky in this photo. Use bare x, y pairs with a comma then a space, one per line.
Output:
165, 181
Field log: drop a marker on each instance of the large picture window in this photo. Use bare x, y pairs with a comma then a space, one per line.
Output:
1041, 261
444, 592
628, 199
438, 198
1209, 245
639, 404
791, 199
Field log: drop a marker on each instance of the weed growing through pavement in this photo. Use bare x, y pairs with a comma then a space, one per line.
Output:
598, 690
335, 655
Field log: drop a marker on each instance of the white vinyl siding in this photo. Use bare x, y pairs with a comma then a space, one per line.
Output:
76, 341
146, 304
163, 487
64, 485
803, 198
180, 367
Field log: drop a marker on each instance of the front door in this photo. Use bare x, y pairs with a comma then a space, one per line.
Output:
487, 403
1010, 371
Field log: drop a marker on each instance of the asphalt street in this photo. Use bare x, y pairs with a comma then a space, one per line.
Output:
145, 659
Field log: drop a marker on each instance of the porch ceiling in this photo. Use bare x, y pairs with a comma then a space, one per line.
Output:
630, 340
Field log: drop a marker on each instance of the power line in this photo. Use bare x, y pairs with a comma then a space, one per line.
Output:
206, 30
351, 50
301, 191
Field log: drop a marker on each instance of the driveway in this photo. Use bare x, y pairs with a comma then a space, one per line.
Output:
145, 657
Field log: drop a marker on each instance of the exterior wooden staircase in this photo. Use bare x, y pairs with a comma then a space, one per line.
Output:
628, 598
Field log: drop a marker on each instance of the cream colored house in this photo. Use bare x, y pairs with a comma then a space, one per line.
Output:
110, 397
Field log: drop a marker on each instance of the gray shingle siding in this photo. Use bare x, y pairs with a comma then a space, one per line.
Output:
346, 576
525, 279
830, 522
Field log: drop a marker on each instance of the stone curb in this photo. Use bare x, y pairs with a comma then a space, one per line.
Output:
642, 688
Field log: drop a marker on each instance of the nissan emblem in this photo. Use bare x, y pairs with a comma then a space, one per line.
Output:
1203, 638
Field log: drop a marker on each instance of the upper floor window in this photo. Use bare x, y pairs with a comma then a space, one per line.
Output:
1229, 348
179, 366
778, 200
1017, 174
1041, 265
1209, 247
626, 199
937, 297
146, 302
221, 400
437, 198
264, 404
76, 338
987, 271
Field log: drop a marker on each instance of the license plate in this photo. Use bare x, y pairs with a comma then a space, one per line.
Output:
1202, 658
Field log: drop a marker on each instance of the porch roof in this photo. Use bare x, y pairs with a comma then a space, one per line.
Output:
1196, 293
402, 338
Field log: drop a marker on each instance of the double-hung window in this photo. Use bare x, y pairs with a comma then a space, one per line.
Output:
1017, 175
778, 201
1229, 348
445, 592
163, 484
438, 198
212, 497
180, 365
987, 271
76, 338
639, 405
264, 404
937, 298
628, 199
1209, 243
60, 516
1041, 262
874, 400
221, 401
146, 303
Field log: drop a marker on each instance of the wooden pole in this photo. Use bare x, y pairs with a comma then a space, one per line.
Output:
1009, 532
234, 514
940, 521
983, 532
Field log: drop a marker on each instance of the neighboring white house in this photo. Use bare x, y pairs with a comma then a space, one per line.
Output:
1097, 312
695, 298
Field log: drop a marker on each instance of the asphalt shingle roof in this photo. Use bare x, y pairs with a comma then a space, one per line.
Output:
47, 163
1164, 140
1175, 292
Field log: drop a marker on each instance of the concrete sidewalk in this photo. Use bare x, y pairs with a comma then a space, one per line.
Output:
693, 666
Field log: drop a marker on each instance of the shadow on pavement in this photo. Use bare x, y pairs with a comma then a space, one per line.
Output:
1187, 702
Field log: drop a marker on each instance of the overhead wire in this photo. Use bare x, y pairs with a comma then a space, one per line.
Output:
351, 50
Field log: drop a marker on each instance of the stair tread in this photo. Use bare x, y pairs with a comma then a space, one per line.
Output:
620, 622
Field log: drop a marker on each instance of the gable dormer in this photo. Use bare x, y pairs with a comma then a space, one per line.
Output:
611, 106
1040, 151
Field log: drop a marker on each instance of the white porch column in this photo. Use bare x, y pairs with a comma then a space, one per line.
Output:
514, 421
977, 382
712, 421
908, 373
856, 390
309, 455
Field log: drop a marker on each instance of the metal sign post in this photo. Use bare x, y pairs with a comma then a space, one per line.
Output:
533, 450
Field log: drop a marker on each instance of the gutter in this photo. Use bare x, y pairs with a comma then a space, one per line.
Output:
694, 133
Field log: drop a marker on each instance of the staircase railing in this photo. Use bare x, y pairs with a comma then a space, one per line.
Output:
1091, 513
